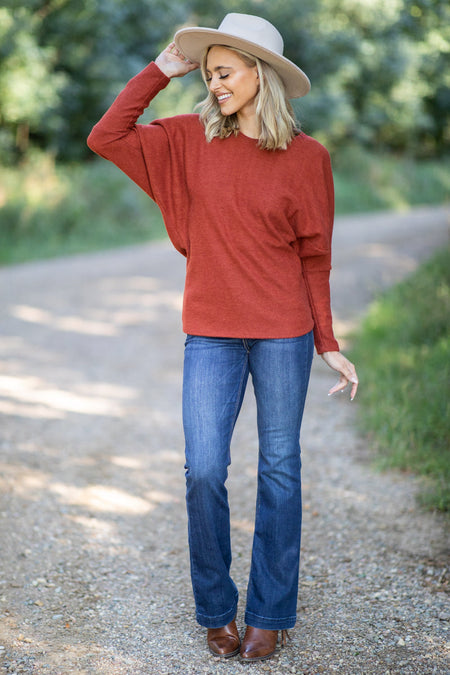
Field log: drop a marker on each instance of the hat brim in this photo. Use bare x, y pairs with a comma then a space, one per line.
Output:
193, 42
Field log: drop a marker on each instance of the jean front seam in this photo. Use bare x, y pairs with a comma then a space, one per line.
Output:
239, 397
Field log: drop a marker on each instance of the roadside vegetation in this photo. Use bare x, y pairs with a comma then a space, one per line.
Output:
403, 356
50, 209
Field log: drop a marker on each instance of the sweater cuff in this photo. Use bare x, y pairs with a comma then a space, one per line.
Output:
153, 70
322, 346
150, 80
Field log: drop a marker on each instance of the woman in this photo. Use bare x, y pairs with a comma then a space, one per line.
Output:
248, 199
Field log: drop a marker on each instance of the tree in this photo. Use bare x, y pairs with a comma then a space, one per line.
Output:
29, 83
378, 67
62, 61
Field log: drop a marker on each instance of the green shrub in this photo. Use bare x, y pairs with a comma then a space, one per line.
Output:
367, 182
53, 210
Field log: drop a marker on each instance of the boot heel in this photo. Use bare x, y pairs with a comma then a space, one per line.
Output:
284, 637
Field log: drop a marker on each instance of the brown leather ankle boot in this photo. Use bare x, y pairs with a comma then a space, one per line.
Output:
259, 643
224, 641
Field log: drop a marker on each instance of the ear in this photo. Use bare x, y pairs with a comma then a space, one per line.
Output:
257, 78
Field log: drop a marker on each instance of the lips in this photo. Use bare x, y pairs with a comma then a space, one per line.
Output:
223, 97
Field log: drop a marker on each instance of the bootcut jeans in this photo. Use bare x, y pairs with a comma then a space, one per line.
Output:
216, 371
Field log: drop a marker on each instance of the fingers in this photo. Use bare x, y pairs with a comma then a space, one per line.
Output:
348, 375
339, 386
354, 388
342, 385
174, 51
354, 380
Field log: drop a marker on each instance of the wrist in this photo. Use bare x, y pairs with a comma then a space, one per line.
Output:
163, 68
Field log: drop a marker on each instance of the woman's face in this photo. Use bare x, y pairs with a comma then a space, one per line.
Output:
233, 82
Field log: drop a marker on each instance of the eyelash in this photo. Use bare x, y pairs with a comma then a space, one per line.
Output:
221, 77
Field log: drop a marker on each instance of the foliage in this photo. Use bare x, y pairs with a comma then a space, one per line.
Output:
50, 210
377, 67
87, 50
384, 181
403, 356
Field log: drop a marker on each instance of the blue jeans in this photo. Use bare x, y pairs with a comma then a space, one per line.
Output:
215, 376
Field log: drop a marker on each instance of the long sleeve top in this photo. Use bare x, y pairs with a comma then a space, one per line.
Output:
254, 225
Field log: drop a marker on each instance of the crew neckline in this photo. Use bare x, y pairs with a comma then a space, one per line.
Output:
249, 138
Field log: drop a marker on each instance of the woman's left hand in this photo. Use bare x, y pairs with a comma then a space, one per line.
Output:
337, 361
173, 63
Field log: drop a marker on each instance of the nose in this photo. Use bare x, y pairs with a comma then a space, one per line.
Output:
214, 83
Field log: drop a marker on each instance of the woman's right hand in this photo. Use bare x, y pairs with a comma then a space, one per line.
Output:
346, 370
173, 63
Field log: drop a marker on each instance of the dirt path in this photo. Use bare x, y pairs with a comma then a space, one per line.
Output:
94, 567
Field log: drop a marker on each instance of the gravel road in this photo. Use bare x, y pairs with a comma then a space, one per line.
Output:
94, 564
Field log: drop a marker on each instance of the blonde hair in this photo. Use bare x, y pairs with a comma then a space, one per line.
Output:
277, 123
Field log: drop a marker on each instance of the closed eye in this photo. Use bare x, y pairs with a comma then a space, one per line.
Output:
221, 77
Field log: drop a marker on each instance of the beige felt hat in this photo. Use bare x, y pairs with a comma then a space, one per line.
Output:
251, 34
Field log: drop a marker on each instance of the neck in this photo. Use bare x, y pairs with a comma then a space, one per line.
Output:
248, 124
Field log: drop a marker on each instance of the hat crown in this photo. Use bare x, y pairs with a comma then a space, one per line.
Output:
253, 29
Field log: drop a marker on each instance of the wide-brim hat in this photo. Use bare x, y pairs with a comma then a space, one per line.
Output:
251, 34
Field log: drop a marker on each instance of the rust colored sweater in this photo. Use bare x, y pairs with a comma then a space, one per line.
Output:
255, 225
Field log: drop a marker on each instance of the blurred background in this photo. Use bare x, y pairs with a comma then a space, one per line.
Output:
379, 101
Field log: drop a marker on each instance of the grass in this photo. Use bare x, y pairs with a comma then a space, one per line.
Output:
403, 356
49, 210
365, 182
